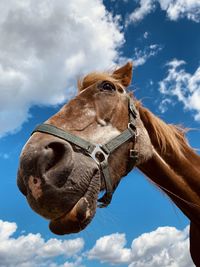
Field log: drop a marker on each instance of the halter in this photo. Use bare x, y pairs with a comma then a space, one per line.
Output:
98, 152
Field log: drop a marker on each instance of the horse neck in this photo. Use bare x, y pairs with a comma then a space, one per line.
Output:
174, 166
174, 185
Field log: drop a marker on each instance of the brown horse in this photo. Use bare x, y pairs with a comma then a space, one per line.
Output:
62, 170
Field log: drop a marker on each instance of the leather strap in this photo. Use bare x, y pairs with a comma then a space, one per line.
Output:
53, 130
100, 153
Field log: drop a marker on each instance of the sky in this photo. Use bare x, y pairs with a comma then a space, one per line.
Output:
44, 47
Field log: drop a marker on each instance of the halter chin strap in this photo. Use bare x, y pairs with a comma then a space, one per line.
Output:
100, 153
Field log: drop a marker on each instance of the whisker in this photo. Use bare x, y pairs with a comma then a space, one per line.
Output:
174, 194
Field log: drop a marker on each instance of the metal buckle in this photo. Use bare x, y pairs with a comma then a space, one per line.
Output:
132, 127
99, 155
133, 153
134, 130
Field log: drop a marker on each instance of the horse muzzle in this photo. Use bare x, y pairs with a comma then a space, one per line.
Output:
58, 183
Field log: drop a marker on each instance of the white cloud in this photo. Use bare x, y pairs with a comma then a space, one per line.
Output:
181, 8
45, 46
32, 250
175, 9
146, 7
166, 247
183, 85
146, 35
111, 249
141, 56
163, 106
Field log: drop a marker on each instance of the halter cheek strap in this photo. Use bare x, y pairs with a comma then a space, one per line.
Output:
100, 153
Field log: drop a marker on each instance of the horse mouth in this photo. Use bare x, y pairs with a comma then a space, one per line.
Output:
75, 220
82, 212
69, 209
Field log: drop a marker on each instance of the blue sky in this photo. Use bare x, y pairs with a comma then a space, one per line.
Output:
44, 47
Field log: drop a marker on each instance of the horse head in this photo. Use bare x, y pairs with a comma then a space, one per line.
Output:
59, 176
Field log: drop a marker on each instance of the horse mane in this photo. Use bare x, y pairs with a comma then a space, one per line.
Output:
166, 138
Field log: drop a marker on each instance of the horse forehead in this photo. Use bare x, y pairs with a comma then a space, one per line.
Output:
89, 98
95, 78
92, 78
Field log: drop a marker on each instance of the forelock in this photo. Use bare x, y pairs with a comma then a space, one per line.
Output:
93, 78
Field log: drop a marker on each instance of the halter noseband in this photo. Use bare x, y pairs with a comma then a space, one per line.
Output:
98, 152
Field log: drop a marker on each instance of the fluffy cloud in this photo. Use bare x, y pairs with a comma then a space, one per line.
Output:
163, 106
181, 8
175, 9
183, 85
32, 250
45, 46
141, 56
146, 7
166, 247
111, 249
146, 35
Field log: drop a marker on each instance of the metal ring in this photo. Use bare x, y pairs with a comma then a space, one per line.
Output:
132, 127
99, 155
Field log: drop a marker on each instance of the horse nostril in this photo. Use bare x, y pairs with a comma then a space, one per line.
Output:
56, 162
48, 162
55, 152
35, 180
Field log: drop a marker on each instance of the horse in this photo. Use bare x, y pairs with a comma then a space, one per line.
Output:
93, 141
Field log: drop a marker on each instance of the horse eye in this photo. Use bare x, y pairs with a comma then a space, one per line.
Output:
107, 86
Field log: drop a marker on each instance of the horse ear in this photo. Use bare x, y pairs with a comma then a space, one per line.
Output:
124, 74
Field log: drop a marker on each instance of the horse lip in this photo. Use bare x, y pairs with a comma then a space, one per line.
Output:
82, 212
83, 197
20, 183
73, 221
86, 200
